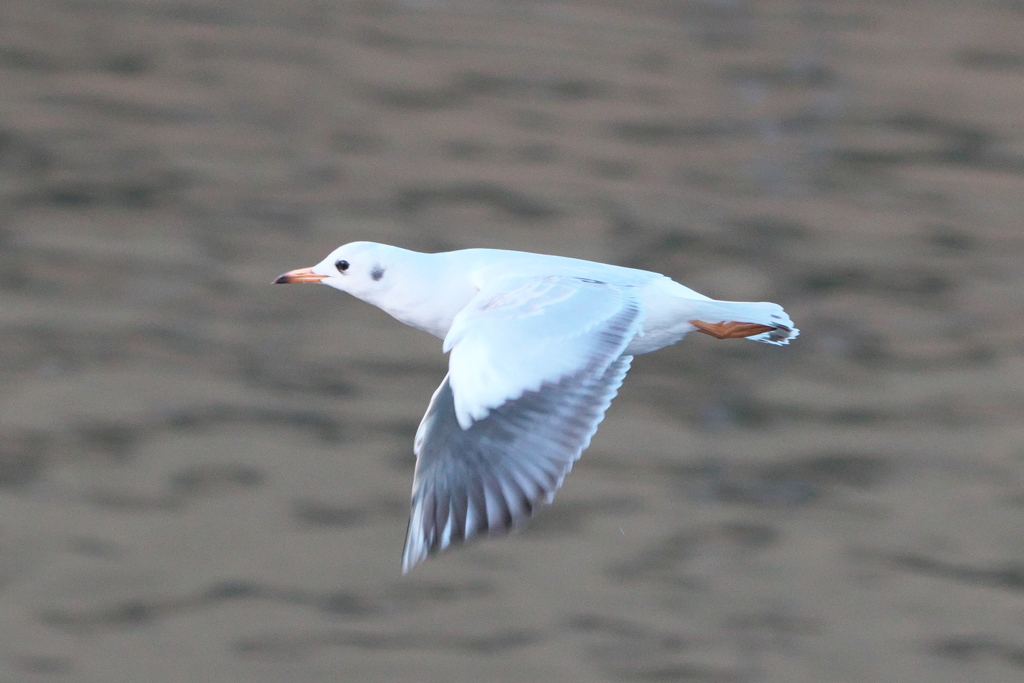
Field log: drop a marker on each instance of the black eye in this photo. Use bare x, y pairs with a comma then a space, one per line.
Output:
341, 265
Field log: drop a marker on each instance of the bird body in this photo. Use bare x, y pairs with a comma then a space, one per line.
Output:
539, 346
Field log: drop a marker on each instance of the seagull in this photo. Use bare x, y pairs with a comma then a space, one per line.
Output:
538, 347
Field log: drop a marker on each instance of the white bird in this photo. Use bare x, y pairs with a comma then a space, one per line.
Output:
539, 346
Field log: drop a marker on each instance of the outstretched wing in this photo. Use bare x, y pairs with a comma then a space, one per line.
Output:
488, 479
557, 369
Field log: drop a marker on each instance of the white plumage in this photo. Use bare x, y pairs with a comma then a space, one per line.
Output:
539, 346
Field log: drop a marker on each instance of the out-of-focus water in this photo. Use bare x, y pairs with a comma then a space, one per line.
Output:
206, 478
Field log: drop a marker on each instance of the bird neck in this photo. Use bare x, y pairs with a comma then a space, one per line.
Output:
426, 295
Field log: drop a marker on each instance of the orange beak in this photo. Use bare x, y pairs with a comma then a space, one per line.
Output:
300, 275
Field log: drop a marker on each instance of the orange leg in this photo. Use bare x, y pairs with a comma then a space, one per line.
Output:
730, 330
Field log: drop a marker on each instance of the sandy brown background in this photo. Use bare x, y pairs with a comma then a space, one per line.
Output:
206, 478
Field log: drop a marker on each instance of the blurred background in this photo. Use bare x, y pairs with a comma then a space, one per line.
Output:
206, 478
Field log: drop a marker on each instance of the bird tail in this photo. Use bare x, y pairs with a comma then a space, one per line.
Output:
757, 312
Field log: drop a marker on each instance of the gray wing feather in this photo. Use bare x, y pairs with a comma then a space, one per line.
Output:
488, 479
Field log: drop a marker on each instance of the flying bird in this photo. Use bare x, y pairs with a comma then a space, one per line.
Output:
538, 347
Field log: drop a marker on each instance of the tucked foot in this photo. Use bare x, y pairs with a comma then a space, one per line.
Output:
731, 330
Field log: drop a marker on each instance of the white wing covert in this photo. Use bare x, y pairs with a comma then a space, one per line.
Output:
519, 334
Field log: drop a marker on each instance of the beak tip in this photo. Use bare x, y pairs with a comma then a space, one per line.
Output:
281, 279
